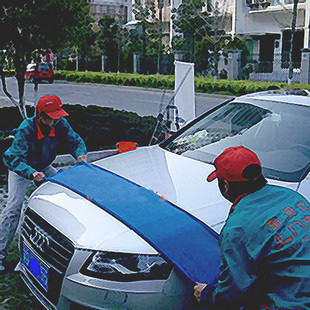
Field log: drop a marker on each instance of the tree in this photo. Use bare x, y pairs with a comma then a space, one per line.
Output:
112, 38
191, 25
201, 34
34, 25
119, 42
145, 15
155, 45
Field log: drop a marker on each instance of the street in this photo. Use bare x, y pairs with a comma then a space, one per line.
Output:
140, 100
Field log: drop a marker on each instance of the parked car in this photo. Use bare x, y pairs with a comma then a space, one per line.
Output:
42, 72
77, 255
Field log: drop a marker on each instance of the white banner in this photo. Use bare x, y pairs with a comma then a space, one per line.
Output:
184, 90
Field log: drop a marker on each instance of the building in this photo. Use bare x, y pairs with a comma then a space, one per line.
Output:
121, 9
269, 24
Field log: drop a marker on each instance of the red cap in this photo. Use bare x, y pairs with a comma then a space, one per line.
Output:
52, 106
231, 163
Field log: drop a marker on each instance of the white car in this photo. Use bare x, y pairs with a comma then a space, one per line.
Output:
77, 255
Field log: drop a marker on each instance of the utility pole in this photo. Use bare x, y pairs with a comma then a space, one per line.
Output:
307, 18
291, 66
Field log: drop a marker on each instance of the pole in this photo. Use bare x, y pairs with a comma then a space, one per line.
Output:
77, 62
307, 18
102, 62
291, 65
118, 59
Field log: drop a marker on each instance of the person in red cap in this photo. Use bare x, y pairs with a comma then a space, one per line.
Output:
264, 244
38, 141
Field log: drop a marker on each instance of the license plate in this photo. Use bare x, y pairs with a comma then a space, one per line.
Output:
35, 266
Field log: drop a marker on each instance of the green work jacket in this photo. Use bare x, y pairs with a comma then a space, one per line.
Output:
265, 254
30, 153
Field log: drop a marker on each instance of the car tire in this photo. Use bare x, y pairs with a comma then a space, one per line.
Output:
51, 81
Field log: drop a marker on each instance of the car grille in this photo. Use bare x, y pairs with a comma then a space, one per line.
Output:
56, 252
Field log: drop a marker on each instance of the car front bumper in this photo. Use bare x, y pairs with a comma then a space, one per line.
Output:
83, 292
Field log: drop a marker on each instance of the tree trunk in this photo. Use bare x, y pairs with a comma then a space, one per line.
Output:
20, 105
4, 84
20, 69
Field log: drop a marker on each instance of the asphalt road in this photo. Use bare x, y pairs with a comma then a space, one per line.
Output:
140, 100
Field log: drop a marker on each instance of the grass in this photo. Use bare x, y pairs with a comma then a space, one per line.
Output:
14, 294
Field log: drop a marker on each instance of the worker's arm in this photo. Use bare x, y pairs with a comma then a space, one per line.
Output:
15, 158
237, 275
76, 145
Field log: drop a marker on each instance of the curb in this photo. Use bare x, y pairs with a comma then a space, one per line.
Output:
157, 90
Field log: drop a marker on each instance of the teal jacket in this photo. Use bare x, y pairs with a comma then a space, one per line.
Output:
29, 154
265, 254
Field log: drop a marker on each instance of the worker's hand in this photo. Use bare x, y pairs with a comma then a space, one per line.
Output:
198, 289
38, 176
82, 158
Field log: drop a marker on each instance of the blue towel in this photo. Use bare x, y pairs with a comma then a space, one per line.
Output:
182, 239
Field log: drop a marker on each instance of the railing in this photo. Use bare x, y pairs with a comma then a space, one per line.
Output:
275, 69
263, 4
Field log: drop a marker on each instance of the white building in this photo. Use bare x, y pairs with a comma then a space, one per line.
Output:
270, 27
268, 23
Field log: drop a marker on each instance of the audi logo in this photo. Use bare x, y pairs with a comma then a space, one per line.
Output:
40, 239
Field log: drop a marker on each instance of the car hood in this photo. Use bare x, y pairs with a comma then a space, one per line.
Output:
175, 178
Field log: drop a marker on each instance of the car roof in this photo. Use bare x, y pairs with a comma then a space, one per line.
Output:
300, 97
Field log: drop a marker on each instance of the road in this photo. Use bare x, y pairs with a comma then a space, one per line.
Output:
140, 100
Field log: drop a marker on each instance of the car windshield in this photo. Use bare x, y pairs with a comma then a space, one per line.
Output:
278, 132
45, 66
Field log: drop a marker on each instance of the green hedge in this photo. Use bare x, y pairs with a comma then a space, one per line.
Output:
202, 84
9, 72
125, 79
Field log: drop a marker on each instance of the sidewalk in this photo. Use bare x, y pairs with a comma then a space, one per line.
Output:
6, 102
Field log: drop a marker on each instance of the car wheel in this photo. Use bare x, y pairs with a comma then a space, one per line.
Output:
51, 81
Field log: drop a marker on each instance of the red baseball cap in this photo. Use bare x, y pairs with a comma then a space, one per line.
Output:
52, 106
231, 163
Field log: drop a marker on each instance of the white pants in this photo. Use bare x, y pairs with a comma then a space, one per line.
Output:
10, 215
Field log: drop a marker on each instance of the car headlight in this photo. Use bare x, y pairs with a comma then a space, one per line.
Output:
124, 267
